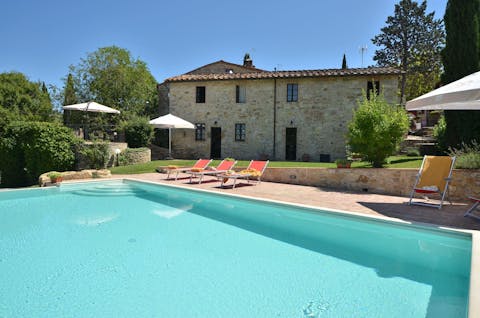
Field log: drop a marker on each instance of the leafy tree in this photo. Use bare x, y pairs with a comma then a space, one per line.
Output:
412, 41
461, 57
23, 98
376, 129
344, 62
112, 77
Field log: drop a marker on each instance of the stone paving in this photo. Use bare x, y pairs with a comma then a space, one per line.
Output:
367, 203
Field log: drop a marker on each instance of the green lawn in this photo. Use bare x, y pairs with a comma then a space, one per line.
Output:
393, 162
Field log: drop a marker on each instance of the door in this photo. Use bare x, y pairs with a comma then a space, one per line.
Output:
291, 144
215, 143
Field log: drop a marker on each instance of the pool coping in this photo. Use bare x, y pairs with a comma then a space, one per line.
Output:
474, 289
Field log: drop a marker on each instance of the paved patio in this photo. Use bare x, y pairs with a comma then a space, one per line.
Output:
367, 203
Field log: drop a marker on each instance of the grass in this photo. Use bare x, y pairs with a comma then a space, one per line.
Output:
393, 162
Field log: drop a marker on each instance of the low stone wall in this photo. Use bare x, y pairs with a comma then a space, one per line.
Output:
383, 181
44, 179
133, 156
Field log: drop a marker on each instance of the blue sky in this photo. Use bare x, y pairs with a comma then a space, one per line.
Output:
42, 38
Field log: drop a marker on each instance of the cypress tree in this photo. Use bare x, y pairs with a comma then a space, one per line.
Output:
70, 98
69, 94
45, 92
344, 62
461, 57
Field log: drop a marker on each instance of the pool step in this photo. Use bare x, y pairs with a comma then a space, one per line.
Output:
102, 191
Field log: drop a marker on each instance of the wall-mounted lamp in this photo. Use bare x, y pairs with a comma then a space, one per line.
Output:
291, 122
215, 122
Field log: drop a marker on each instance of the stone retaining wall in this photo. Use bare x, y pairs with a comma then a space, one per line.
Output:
134, 156
384, 181
44, 179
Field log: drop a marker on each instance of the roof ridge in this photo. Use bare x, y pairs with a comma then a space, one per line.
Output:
288, 74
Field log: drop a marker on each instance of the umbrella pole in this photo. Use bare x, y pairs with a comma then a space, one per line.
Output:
169, 143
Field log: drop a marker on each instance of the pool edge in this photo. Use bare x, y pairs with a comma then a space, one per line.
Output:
474, 290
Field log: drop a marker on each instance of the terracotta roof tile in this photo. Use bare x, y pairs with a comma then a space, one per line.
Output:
287, 74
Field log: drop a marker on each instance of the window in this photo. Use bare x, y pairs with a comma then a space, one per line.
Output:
241, 94
292, 92
239, 132
199, 131
370, 87
200, 94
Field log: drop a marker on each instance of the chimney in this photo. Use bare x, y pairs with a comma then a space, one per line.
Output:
247, 61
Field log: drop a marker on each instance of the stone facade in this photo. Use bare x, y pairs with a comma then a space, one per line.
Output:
319, 117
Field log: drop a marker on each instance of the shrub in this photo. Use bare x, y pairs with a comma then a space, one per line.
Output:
95, 155
468, 156
439, 132
376, 129
412, 152
31, 148
138, 132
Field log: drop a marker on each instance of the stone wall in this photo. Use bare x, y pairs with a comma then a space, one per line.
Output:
132, 156
321, 115
384, 181
44, 179
163, 102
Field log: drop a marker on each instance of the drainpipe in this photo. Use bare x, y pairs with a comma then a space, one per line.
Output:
274, 116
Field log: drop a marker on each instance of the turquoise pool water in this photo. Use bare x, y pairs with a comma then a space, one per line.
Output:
129, 249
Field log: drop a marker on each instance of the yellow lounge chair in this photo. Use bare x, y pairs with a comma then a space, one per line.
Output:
433, 178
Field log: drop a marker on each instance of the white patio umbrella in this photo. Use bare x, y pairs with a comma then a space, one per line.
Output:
91, 107
463, 94
170, 121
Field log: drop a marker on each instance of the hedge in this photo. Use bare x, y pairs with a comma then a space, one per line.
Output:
31, 148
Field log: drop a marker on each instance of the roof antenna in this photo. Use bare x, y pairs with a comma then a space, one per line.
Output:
362, 50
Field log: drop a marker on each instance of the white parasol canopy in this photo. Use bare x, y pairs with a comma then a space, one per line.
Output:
92, 107
463, 94
170, 121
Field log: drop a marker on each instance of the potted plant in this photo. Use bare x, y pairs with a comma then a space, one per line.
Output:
343, 163
305, 157
55, 177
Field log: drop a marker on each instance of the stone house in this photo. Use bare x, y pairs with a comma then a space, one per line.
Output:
247, 113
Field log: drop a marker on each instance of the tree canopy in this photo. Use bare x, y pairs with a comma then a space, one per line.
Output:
461, 57
111, 76
23, 98
412, 41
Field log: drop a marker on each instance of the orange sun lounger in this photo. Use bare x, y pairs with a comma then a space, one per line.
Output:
200, 165
223, 167
254, 171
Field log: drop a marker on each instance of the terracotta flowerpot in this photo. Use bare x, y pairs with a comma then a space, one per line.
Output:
344, 165
56, 180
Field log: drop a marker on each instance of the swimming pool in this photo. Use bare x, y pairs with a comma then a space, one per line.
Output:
132, 249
